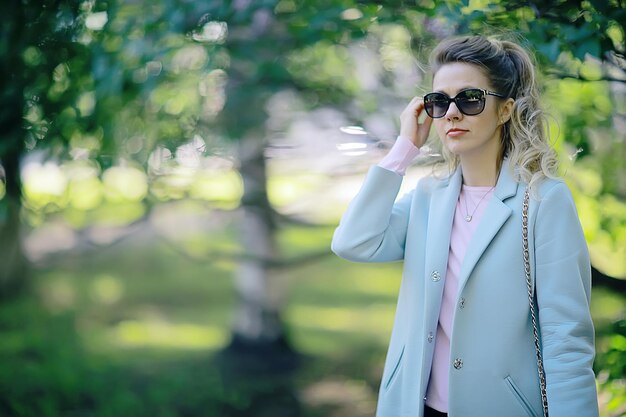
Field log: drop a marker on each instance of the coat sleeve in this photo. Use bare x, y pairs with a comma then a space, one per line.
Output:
373, 228
563, 281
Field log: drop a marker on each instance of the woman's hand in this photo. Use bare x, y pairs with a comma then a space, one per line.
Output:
410, 127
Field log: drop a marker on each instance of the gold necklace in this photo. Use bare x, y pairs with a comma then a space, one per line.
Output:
468, 216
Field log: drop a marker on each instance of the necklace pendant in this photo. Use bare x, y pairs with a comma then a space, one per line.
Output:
468, 218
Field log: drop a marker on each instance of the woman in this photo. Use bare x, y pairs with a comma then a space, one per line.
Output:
462, 342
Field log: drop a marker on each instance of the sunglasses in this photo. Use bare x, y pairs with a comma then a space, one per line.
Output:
470, 102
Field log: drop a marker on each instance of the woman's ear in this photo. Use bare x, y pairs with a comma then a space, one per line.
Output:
506, 110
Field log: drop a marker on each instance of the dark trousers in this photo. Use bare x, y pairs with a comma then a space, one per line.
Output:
430, 412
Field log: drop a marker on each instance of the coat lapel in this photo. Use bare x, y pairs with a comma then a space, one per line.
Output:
494, 217
441, 215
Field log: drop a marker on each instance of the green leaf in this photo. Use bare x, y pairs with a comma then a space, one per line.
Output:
590, 46
550, 50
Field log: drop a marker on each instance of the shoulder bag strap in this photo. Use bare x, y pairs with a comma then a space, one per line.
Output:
533, 316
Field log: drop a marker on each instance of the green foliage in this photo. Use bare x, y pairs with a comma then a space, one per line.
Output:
146, 70
323, 65
117, 80
613, 361
578, 27
611, 367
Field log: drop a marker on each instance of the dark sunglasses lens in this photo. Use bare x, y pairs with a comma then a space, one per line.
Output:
471, 102
436, 104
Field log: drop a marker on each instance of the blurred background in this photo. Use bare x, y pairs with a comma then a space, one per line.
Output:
173, 170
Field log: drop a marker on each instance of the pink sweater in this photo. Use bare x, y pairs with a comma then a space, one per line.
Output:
472, 201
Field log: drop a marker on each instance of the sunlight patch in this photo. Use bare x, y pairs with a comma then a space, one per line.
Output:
106, 289
376, 318
159, 334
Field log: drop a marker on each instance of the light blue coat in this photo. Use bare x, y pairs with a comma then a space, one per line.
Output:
492, 333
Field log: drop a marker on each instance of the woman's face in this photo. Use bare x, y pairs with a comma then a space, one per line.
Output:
462, 135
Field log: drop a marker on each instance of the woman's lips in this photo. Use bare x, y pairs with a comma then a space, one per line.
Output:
456, 132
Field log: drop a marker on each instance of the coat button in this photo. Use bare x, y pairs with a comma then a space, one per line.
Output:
458, 363
462, 303
431, 337
435, 275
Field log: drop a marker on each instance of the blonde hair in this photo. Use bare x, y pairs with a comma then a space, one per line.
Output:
511, 72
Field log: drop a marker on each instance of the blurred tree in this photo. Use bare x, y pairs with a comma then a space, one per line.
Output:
36, 42
109, 83
264, 39
71, 90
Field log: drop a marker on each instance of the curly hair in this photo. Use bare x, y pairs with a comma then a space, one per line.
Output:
511, 71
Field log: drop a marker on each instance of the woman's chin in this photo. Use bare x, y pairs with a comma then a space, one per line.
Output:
455, 148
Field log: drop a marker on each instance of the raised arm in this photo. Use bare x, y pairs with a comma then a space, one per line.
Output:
373, 228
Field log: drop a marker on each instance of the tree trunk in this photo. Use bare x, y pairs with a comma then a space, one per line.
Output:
13, 265
258, 330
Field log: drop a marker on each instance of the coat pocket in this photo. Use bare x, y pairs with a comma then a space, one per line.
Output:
396, 369
519, 396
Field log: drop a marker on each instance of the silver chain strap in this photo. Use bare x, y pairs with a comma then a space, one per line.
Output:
542, 374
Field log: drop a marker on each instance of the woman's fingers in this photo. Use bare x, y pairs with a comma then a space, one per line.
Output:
410, 127
423, 129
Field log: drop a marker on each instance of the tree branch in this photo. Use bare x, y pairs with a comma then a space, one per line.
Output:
274, 263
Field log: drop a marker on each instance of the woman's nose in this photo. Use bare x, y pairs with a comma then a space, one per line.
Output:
453, 112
